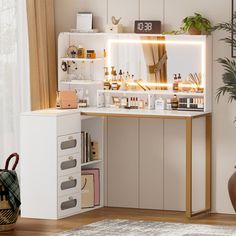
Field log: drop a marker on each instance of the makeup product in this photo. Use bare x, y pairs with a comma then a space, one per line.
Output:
87, 96
191, 104
174, 103
114, 84
106, 84
81, 52
91, 54
116, 102
175, 84
168, 104
82, 103
124, 102
160, 104
141, 104
179, 82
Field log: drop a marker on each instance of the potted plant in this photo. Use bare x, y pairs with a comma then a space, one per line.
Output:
229, 86
194, 25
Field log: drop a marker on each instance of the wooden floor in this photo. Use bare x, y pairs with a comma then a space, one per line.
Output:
31, 227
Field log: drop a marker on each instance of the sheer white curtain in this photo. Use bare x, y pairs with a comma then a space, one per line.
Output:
14, 79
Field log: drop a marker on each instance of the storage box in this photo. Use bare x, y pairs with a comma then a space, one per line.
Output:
84, 21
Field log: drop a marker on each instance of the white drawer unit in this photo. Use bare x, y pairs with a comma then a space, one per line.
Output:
50, 164
69, 144
69, 164
69, 184
69, 205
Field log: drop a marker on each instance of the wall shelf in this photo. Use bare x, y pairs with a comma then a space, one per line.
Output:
91, 163
155, 92
81, 59
81, 82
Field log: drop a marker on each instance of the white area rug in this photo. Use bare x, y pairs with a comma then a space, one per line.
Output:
140, 228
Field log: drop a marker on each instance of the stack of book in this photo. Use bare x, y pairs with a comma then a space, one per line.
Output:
89, 149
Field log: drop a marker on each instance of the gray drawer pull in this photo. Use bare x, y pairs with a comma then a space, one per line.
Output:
68, 184
68, 204
68, 144
65, 165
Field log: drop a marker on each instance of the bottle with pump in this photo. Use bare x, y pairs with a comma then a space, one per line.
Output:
179, 82
175, 84
121, 80
174, 103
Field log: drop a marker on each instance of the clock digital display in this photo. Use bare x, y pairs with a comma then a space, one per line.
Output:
150, 27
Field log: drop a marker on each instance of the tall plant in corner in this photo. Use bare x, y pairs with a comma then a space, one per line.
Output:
229, 65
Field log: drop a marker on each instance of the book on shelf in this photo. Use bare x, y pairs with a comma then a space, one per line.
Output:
89, 148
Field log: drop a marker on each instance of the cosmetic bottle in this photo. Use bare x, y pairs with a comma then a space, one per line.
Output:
106, 85
174, 103
168, 104
121, 81
114, 85
86, 98
175, 84
179, 82
124, 102
141, 104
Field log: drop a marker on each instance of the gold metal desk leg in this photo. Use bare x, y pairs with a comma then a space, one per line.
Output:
208, 160
189, 167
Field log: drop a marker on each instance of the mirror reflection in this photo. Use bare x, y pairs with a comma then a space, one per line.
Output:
151, 63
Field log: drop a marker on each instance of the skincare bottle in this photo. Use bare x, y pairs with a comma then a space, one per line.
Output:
174, 103
86, 98
168, 104
121, 80
179, 82
124, 102
141, 104
175, 84
114, 85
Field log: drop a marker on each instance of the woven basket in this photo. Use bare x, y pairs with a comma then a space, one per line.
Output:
8, 216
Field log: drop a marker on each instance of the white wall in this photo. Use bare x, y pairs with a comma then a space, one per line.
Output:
171, 12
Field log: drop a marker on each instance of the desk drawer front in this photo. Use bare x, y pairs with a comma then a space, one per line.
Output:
69, 164
69, 184
69, 144
69, 205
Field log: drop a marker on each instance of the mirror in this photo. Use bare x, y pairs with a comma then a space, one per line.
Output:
155, 59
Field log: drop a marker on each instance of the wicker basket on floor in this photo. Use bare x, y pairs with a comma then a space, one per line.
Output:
8, 216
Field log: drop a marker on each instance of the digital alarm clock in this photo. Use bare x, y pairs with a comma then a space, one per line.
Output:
147, 27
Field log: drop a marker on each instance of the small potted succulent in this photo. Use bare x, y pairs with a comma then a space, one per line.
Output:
194, 25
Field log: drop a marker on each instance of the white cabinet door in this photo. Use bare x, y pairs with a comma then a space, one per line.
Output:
174, 165
151, 164
122, 162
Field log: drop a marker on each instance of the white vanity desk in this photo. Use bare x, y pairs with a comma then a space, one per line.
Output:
43, 131
188, 117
